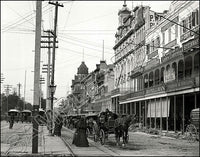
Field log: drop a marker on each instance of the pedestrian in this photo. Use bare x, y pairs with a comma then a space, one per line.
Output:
11, 121
80, 137
58, 125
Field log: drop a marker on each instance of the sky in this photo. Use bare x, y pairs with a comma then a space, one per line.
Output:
82, 28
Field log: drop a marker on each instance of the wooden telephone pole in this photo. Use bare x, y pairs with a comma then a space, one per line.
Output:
52, 86
36, 76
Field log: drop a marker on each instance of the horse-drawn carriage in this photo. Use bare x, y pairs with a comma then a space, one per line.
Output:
111, 123
192, 130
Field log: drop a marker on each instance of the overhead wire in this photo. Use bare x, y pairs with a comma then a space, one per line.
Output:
61, 38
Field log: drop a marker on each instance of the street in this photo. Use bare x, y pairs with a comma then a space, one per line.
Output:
140, 144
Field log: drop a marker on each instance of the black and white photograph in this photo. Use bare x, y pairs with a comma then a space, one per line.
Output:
99, 78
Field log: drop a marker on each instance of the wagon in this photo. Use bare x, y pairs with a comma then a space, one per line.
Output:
192, 130
106, 127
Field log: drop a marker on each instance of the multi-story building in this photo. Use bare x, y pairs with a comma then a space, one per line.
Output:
77, 94
97, 88
170, 73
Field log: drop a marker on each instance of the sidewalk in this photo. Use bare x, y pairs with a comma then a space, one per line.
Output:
22, 144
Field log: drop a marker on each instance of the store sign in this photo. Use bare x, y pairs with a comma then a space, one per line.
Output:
152, 63
172, 54
190, 44
169, 75
188, 34
152, 18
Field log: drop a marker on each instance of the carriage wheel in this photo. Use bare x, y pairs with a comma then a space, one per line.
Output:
87, 132
127, 138
94, 133
191, 133
102, 136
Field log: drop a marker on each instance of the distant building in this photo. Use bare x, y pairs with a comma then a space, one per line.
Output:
77, 86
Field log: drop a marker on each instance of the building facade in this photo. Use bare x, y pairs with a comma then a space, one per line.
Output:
164, 86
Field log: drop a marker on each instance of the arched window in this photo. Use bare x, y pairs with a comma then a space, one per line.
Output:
162, 74
146, 80
174, 66
180, 70
151, 79
196, 63
188, 66
157, 81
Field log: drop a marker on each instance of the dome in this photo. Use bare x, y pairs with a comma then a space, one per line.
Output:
82, 69
124, 9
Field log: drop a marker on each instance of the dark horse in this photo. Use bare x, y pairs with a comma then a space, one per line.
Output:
121, 128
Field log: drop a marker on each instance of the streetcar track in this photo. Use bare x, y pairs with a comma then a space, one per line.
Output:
96, 145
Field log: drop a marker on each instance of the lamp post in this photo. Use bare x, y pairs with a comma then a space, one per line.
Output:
52, 91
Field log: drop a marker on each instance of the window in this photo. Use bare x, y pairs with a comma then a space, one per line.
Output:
158, 42
190, 21
157, 76
169, 33
151, 79
162, 74
176, 31
163, 36
148, 48
184, 25
196, 63
173, 33
180, 70
152, 46
188, 66
146, 81
174, 66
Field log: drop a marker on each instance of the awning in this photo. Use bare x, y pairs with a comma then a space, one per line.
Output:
154, 110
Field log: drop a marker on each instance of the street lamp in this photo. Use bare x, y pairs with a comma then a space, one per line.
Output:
52, 91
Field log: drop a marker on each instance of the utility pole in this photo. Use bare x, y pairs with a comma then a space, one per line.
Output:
36, 76
19, 86
25, 91
41, 82
7, 89
48, 69
52, 86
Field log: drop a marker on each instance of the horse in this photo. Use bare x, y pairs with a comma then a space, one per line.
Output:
121, 128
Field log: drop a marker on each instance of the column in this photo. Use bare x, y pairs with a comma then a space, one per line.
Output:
145, 113
139, 111
150, 111
161, 114
174, 113
167, 114
131, 108
183, 114
155, 114
127, 108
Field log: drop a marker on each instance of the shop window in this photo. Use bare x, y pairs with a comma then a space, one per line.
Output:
146, 80
157, 42
180, 70
151, 79
157, 76
196, 63
188, 66
184, 26
162, 74
174, 66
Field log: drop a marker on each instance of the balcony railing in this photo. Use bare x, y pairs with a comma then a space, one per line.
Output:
155, 89
180, 85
